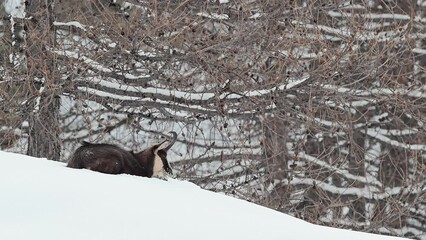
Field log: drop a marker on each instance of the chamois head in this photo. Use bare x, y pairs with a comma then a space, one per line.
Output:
155, 157
112, 159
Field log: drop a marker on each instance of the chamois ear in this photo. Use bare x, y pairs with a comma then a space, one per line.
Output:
162, 145
156, 147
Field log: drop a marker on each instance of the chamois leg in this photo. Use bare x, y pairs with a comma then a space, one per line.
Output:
160, 175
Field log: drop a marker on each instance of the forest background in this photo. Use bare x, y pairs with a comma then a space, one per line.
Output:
313, 108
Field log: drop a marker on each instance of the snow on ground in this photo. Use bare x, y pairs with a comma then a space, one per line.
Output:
43, 200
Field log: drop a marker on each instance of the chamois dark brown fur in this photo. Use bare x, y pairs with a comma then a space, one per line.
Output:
107, 158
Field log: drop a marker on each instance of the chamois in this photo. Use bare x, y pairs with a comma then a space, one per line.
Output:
107, 158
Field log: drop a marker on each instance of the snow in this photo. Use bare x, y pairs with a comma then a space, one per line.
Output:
375, 133
372, 15
213, 15
343, 172
94, 64
42, 199
72, 23
16, 8
339, 32
419, 50
418, 93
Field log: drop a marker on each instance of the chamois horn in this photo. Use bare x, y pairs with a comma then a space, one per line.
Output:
172, 141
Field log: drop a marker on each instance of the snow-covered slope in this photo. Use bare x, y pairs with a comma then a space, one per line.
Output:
43, 200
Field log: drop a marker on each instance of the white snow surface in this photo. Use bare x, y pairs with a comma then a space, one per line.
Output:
43, 199
16, 8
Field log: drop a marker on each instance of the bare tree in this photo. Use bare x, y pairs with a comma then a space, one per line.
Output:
31, 83
312, 108
43, 80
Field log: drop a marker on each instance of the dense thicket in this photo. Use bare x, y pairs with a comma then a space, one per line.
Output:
314, 108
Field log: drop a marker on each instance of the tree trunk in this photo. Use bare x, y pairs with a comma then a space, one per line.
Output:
44, 138
44, 127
